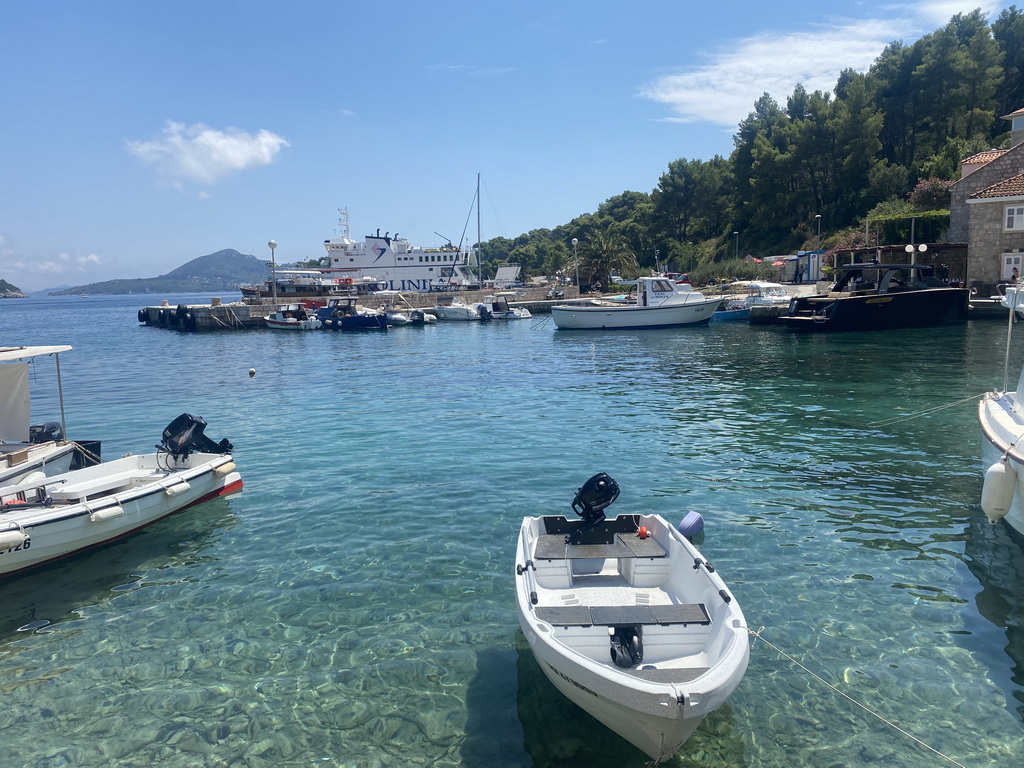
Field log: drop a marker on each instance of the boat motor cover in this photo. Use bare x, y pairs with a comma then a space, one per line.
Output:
594, 496
185, 434
45, 432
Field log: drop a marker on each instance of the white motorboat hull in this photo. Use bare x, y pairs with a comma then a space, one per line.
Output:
50, 458
623, 317
292, 324
98, 504
694, 654
1001, 419
456, 313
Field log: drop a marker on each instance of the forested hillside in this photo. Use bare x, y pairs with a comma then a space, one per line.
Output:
882, 145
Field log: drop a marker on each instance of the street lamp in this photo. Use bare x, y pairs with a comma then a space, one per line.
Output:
914, 251
737, 236
817, 246
273, 269
576, 263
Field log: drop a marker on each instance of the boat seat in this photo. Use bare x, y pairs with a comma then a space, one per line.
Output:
615, 615
83, 490
553, 547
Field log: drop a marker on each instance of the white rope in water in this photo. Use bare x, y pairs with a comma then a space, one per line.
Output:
757, 636
927, 411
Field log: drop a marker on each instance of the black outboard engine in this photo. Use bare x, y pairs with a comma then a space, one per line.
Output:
45, 432
592, 498
626, 646
185, 434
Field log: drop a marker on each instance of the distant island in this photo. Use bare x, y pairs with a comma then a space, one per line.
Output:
8, 291
222, 271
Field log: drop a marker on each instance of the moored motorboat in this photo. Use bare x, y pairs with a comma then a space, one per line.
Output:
628, 620
456, 309
345, 314
292, 317
1001, 420
27, 448
46, 518
660, 303
873, 296
738, 299
496, 307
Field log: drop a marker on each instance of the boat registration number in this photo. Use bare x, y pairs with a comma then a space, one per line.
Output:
571, 681
24, 545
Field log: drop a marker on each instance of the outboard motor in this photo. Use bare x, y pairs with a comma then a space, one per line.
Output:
185, 435
592, 498
626, 646
45, 432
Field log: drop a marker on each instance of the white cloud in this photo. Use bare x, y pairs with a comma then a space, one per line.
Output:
204, 154
724, 90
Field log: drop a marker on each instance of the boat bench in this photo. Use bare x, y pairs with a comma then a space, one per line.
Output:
616, 615
83, 490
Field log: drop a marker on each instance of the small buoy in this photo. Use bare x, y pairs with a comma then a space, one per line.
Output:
252, 372
642, 533
691, 525
997, 490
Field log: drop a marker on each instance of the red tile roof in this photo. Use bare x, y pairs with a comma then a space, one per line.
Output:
1011, 187
1018, 113
984, 157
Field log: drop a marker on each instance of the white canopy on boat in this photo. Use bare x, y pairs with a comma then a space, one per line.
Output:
15, 406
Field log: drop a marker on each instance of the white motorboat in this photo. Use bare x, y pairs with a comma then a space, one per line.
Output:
292, 317
738, 299
46, 518
1001, 419
456, 309
660, 303
628, 620
496, 307
30, 448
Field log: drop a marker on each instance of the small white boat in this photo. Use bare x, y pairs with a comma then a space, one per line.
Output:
628, 620
46, 518
456, 309
292, 317
496, 307
660, 303
740, 298
26, 448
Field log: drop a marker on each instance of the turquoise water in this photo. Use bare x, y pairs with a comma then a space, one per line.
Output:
354, 606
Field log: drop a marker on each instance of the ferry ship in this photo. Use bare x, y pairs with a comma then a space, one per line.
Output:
401, 266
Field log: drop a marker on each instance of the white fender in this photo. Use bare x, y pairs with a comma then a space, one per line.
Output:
997, 491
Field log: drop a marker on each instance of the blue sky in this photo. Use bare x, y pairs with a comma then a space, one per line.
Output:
137, 136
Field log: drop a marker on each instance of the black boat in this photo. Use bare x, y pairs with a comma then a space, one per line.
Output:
872, 296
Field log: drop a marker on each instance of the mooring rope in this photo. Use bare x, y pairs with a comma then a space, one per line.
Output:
757, 636
925, 412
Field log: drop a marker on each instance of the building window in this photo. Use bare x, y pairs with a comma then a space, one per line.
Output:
1015, 217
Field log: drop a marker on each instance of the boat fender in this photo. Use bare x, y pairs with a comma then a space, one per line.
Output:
725, 596
224, 469
189, 322
142, 315
997, 490
691, 525
14, 537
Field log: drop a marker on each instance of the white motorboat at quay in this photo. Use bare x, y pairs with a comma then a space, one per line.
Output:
46, 518
496, 307
292, 317
456, 309
660, 303
26, 448
628, 620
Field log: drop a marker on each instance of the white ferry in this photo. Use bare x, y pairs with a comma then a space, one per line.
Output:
394, 261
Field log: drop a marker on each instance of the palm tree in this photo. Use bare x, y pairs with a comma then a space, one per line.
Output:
606, 253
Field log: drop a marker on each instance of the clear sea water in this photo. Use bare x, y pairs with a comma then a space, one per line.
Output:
354, 606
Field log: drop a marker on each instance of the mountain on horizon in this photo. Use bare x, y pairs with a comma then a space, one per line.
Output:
221, 271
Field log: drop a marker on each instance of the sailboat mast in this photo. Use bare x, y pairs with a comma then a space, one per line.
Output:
479, 263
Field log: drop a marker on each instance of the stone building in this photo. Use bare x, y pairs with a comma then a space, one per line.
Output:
986, 210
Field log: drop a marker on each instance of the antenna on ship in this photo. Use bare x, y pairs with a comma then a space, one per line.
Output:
343, 221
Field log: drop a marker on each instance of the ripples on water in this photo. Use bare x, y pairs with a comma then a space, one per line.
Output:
354, 606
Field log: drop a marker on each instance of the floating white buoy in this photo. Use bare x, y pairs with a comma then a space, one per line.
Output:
252, 372
997, 491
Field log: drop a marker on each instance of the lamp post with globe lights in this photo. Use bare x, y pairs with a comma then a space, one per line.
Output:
273, 269
576, 263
